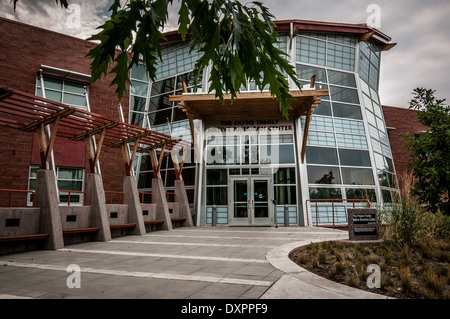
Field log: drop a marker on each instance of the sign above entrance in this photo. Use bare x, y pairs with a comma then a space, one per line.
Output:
261, 125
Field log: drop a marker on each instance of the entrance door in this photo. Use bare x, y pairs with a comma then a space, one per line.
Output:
250, 201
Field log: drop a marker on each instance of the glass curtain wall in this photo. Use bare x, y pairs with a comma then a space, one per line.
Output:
150, 108
241, 154
338, 154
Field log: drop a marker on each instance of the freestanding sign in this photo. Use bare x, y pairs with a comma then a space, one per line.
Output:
362, 224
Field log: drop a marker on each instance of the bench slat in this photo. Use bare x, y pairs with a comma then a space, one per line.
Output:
80, 230
23, 237
151, 222
122, 225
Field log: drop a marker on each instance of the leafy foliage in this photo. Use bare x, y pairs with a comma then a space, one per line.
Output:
238, 42
430, 151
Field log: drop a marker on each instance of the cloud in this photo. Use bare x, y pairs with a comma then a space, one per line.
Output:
80, 20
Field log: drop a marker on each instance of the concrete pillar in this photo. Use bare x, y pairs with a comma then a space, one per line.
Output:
95, 197
159, 198
48, 203
182, 199
131, 196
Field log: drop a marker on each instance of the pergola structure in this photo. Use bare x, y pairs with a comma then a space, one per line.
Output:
30, 113
249, 105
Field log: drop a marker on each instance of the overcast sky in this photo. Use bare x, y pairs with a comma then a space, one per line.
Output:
421, 57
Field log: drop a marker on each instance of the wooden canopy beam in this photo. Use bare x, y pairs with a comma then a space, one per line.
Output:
48, 119
305, 133
94, 131
46, 147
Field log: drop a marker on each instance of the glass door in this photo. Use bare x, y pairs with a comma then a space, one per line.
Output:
240, 201
250, 201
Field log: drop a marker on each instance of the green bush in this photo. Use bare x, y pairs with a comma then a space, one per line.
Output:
409, 223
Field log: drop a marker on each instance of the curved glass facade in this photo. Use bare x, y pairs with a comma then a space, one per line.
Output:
347, 155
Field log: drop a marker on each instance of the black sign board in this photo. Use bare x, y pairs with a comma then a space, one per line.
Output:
362, 224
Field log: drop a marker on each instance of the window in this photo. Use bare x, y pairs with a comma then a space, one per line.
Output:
347, 111
325, 193
354, 157
335, 51
216, 187
285, 186
358, 193
311, 51
357, 176
323, 175
63, 91
342, 94
321, 155
68, 179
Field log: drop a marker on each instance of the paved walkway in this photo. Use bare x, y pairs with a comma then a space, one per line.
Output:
198, 263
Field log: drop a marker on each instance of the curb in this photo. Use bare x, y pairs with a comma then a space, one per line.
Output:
299, 283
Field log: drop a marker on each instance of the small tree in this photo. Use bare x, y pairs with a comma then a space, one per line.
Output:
430, 156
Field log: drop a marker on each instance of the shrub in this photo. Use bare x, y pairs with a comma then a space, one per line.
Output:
408, 223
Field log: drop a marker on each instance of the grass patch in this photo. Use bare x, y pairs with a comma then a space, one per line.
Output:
406, 272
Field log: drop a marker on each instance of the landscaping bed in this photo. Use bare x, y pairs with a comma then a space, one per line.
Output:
419, 271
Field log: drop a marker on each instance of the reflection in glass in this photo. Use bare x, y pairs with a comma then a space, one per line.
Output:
240, 199
261, 198
325, 193
323, 175
357, 193
357, 176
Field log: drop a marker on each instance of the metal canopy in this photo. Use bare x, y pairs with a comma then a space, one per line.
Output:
30, 113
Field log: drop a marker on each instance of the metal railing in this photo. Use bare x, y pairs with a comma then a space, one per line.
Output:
170, 197
111, 196
11, 191
334, 203
70, 194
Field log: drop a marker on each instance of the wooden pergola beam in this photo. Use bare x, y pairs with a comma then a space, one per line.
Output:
46, 147
128, 161
92, 152
48, 119
94, 131
305, 133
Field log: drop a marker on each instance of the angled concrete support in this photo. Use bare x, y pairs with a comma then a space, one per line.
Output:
95, 197
131, 197
182, 199
159, 198
47, 201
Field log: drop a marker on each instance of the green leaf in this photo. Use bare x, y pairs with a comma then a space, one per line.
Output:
121, 70
183, 20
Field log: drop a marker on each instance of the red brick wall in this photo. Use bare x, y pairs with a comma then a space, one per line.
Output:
403, 121
23, 48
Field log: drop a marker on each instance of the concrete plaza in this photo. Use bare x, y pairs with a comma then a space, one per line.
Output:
185, 263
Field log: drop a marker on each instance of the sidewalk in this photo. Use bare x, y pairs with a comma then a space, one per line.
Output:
186, 263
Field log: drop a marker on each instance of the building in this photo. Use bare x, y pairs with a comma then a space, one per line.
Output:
249, 168
400, 121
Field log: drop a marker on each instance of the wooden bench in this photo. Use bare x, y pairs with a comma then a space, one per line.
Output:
114, 226
80, 230
153, 222
23, 237
175, 221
